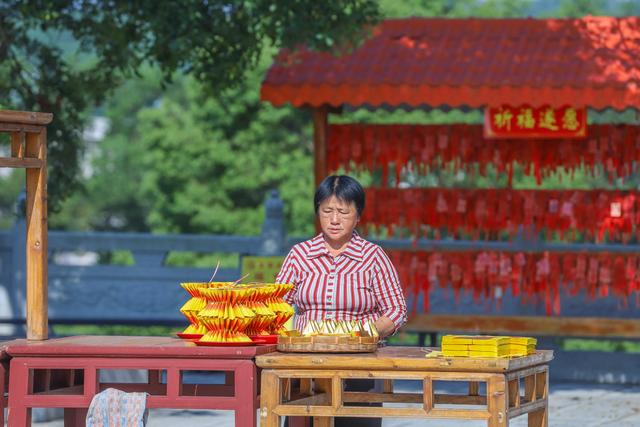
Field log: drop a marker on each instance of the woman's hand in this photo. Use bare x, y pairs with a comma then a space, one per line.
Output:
385, 326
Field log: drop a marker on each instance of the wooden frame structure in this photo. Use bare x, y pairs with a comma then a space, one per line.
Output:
28, 133
513, 387
427, 73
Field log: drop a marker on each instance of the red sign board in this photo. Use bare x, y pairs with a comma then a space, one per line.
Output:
525, 121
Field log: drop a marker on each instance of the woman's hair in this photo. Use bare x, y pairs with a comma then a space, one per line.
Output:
344, 188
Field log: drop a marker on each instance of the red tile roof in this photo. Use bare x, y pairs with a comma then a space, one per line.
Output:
593, 61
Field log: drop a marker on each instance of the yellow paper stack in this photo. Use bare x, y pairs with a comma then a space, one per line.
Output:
486, 346
522, 346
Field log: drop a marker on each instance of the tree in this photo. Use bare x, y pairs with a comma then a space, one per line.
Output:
214, 41
179, 160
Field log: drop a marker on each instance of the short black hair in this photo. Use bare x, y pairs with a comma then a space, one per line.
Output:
344, 188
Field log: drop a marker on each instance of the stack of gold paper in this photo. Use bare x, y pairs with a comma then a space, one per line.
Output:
522, 346
275, 302
351, 328
486, 346
475, 346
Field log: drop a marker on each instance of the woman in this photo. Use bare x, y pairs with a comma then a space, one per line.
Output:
338, 275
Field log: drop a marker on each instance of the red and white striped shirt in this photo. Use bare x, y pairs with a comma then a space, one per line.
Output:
358, 284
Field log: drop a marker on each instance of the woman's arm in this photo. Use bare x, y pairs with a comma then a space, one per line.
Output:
389, 297
385, 326
289, 274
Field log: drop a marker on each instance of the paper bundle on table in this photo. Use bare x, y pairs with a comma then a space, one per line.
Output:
487, 346
353, 328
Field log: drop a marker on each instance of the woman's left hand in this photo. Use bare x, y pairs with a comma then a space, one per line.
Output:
385, 326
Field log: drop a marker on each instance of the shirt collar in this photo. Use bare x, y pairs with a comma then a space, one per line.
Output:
353, 250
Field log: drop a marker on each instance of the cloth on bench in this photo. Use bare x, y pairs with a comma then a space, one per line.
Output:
115, 408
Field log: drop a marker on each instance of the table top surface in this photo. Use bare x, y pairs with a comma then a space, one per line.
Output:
129, 346
399, 358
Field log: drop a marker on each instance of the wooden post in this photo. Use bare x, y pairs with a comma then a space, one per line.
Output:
29, 151
320, 128
37, 319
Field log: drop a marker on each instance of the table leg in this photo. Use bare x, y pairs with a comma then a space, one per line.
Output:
497, 401
299, 422
19, 384
324, 385
323, 421
153, 377
473, 388
4, 369
245, 392
270, 395
75, 417
540, 418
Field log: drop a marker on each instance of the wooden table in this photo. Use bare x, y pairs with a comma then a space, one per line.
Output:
64, 373
513, 386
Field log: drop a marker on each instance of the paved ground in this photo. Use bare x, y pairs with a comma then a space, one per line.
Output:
571, 405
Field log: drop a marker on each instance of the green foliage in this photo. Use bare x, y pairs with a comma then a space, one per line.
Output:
180, 160
575, 344
456, 8
216, 42
11, 185
190, 147
127, 330
210, 162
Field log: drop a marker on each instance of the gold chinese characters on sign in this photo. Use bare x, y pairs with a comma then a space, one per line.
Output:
526, 121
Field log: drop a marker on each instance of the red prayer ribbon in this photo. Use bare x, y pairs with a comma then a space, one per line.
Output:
596, 214
535, 277
616, 148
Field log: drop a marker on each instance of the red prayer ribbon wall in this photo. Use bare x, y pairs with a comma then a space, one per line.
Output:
533, 276
615, 148
595, 213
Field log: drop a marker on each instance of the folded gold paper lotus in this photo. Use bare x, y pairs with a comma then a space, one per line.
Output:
263, 319
194, 287
224, 336
262, 292
222, 324
280, 289
230, 308
191, 308
222, 310
195, 330
229, 294
219, 284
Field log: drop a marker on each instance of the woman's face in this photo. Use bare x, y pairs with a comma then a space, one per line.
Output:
337, 219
